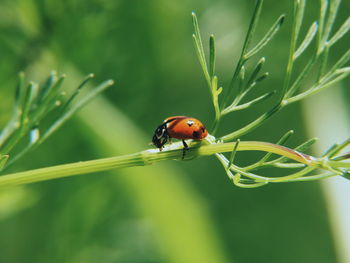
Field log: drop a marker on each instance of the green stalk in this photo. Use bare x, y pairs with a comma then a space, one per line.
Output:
339, 164
146, 158
297, 17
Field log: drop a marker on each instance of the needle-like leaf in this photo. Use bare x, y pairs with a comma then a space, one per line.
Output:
256, 71
307, 40
267, 38
340, 33
281, 141
74, 108
252, 26
212, 52
233, 154
3, 160
46, 88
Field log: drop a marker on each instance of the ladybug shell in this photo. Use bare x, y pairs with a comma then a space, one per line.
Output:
182, 127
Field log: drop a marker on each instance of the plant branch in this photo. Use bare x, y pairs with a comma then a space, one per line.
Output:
151, 156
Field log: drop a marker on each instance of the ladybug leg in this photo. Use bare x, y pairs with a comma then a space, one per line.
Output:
164, 140
184, 149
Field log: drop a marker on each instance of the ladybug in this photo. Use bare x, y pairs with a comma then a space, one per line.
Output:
179, 127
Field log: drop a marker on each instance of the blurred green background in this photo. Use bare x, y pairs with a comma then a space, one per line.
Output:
170, 212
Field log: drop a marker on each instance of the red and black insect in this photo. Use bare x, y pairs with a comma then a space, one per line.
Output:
179, 127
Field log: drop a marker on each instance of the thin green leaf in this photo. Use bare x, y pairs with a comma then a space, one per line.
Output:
281, 141
252, 125
307, 40
337, 148
333, 10
215, 96
322, 18
306, 145
199, 47
287, 165
306, 70
301, 148
299, 6
256, 71
255, 82
248, 183
239, 90
242, 93
31, 94
261, 78
20, 91
3, 161
311, 177
241, 80
74, 108
299, 15
212, 52
50, 100
285, 137
339, 75
201, 59
76, 92
249, 103
197, 33
53, 92
233, 154
331, 150
252, 26
299, 174
236, 169
340, 33
14, 123
340, 63
330, 77
256, 100
343, 157
45, 89
267, 38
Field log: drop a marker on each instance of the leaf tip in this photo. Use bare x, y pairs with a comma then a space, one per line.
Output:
282, 19
110, 82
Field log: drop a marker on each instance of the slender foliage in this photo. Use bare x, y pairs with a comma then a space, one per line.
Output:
33, 103
244, 83
33, 106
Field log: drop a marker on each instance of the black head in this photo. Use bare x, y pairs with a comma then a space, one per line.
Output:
160, 136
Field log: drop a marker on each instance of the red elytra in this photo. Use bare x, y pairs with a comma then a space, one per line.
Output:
179, 127
182, 128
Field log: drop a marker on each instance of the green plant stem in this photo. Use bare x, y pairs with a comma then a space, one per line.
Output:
291, 49
148, 157
339, 164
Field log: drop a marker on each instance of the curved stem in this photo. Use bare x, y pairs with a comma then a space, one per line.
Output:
147, 157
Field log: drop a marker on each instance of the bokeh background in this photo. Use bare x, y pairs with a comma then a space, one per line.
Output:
174, 211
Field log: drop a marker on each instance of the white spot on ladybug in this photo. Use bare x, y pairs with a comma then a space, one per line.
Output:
190, 123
